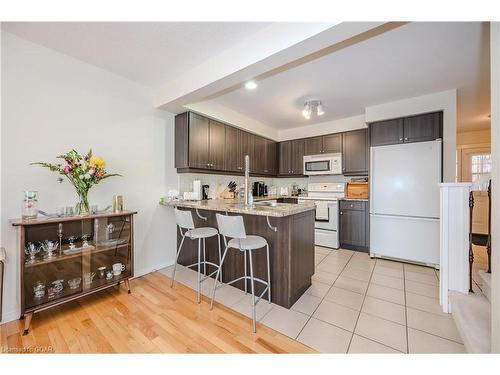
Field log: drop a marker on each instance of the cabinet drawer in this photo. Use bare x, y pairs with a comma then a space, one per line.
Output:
352, 205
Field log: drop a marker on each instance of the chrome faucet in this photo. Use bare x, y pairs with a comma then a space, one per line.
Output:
247, 190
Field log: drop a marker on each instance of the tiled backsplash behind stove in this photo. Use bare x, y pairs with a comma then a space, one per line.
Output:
218, 182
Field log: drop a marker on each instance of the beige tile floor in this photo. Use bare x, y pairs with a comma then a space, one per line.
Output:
356, 305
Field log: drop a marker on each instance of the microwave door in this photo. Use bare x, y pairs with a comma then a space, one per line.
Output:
317, 166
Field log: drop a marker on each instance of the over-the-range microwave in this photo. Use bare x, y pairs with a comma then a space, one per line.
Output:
323, 164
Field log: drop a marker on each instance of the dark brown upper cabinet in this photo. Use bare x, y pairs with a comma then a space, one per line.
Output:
285, 159
332, 143
199, 142
419, 128
291, 156
217, 145
386, 132
313, 146
232, 152
325, 144
270, 157
355, 153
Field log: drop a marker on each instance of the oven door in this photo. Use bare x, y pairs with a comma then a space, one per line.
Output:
317, 166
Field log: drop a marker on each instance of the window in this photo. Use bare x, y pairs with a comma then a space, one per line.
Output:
480, 167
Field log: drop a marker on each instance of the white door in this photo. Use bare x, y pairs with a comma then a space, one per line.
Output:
405, 179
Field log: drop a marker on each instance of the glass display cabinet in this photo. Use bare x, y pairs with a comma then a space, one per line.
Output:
64, 258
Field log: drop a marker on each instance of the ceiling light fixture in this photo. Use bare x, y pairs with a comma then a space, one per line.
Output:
311, 106
251, 85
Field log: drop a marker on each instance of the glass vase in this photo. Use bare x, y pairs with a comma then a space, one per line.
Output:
30, 205
82, 207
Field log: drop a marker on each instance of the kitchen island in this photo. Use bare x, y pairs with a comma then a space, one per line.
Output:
288, 229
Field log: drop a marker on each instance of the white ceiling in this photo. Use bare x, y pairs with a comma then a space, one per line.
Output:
150, 53
412, 60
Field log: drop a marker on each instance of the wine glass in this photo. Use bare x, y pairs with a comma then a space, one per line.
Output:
49, 247
31, 250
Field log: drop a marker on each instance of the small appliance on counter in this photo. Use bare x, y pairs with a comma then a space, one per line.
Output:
259, 189
204, 192
357, 189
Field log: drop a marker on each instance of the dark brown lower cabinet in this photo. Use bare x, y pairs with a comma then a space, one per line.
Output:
291, 250
354, 225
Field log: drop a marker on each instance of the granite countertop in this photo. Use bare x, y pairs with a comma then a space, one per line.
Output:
237, 206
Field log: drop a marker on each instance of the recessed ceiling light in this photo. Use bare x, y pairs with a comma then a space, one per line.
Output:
251, 85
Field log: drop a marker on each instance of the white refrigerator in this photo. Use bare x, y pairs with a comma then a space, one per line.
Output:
404, 204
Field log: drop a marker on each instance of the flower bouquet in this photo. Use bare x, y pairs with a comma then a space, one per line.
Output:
83, 171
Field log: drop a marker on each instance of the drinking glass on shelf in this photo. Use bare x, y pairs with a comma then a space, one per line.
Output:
69, 211
60, 211
39, 290
49, 247
31, 250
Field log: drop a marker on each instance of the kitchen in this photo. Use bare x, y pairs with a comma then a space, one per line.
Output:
296, 210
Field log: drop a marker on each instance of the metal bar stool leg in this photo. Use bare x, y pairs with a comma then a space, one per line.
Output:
220, 260
175, 262
198, 299
204, 258
253, 293
268, 275
245, 261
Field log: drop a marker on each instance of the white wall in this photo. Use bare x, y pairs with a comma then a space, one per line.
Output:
495, 181
52, 103
445, 101
336, 126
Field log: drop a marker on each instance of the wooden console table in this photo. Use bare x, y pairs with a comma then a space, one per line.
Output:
85, 248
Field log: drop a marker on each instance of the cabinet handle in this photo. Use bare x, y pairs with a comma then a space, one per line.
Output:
265, 170
406, 139
400, 139
341, 213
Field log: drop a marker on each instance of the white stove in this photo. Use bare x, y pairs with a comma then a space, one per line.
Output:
326, 196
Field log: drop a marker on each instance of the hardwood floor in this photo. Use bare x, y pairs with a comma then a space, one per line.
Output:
153, 319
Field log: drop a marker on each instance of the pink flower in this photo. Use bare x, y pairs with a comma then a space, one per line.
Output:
66, 169
91, 170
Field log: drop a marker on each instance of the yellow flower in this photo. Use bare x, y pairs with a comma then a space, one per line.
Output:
97, 162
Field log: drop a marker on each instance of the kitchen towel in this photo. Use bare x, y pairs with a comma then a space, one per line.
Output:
322, 210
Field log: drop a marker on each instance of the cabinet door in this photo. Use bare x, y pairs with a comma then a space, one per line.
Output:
313, 146
259, 158
297, 157
352, 228
217, 145
271, 157
232, 150
423, 127
332, 143
355, 152
386, 132
285, 165
247, 148
199, 136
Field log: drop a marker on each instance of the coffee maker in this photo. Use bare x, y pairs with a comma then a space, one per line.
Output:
204, 191
259, 189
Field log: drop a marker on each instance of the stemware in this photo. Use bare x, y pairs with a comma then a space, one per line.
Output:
49, 247
31, 250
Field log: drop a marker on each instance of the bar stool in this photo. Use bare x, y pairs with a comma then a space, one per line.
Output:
184, 220
234, 228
